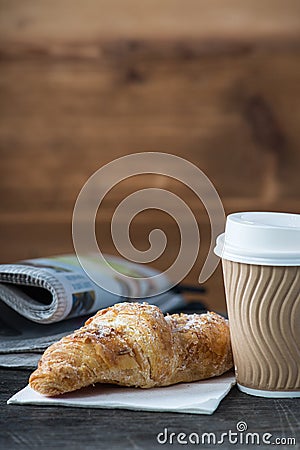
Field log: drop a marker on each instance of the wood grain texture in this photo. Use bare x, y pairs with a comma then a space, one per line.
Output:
83, 83
77, 428
69, 20
236, 121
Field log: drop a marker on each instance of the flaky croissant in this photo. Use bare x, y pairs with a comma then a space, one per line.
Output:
133, 344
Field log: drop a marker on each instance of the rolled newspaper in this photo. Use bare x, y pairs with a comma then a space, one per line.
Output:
48, 290
44, 299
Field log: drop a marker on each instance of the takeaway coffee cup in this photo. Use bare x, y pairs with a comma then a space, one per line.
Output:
260, 254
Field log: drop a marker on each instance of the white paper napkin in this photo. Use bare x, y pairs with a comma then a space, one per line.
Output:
201, 397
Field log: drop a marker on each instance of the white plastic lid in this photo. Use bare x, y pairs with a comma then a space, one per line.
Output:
263, 238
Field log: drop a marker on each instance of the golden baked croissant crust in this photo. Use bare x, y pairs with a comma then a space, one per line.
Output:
134, 344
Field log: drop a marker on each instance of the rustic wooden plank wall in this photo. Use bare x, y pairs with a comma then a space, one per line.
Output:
82, 83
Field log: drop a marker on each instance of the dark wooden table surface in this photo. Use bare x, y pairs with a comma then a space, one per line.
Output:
46, 427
